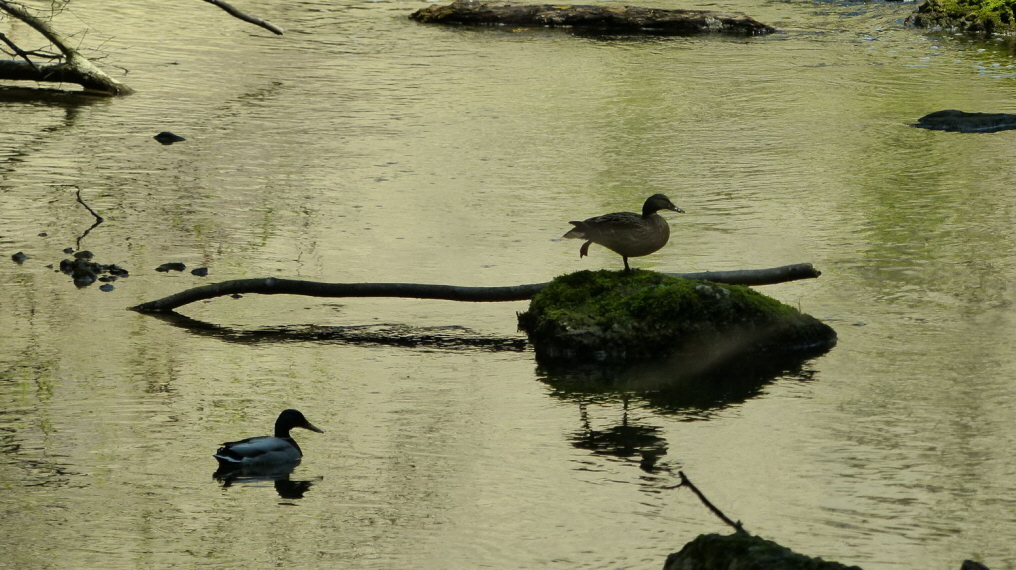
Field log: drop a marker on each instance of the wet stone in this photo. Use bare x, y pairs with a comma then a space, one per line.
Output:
165, 267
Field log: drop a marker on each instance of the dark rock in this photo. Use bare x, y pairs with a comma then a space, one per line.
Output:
171, 267
601, 19
19, 257
68, 250
964, 122
743, 552
200, 271
85, 254
116, 270
106, 287
618, 317
166, 137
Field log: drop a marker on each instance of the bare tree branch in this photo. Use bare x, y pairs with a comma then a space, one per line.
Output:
17, 50
274, 286
246, 17
75, 68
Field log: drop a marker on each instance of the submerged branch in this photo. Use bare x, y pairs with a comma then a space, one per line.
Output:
274, 286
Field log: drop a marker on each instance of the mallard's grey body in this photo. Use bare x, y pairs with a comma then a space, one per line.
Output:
266, 450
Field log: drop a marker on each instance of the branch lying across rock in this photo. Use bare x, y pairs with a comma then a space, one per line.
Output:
607, 19
273, 286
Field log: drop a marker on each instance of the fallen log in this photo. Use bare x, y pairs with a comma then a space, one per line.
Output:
607, 19
274, 286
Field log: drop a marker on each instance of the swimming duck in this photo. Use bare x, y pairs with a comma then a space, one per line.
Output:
266, 450
626, 233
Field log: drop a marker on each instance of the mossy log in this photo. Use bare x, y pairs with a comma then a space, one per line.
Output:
605, 19
745, 552
620, 317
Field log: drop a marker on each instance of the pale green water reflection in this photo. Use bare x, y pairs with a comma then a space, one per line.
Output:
361, 146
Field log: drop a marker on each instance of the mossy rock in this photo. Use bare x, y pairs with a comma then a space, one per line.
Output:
986, 17
744, 552
616, 316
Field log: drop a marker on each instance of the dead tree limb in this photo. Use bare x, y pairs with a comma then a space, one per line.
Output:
274, 286
75, 68
232, 11
685, 482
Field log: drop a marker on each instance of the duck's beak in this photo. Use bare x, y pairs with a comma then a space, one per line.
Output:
678, 210
312, 427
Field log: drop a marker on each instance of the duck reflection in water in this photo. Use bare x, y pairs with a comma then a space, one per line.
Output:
266, 458
277, 474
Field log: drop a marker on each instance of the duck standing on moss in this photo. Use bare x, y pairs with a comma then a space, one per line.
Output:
627, 233
266, 451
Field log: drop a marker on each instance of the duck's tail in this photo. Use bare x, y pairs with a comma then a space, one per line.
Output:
578, 232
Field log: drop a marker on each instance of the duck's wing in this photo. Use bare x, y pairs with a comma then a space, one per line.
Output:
252, 448
616, 221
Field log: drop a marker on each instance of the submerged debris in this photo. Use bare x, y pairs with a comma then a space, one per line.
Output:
19, 257
84, 271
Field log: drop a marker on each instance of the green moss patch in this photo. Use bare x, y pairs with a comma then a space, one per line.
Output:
630, 316
716, 552
975, 16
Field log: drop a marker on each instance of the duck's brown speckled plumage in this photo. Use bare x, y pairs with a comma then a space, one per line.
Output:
626, 233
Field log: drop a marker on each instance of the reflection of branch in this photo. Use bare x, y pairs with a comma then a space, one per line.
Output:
685, 482
246, 17
98, 218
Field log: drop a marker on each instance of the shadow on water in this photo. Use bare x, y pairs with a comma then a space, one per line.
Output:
279, 475
678, 387
451, 337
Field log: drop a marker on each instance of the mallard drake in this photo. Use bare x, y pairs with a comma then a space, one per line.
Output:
626, 233
266, 450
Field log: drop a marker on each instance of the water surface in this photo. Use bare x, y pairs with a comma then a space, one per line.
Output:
362, 146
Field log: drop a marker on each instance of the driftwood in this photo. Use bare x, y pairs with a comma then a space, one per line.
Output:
608, 19
273, 286
69, 66
74, 67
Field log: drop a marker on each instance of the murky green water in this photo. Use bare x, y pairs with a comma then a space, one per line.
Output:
361, 146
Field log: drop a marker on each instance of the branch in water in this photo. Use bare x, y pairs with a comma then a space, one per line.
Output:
246, 17
273, 286
685, 482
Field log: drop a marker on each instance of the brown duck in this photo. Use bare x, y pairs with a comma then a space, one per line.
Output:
626, 233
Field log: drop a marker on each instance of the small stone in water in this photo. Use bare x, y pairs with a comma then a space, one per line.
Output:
19, 257
171, 267
106, 287
84, 254
200, 271
166, 137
